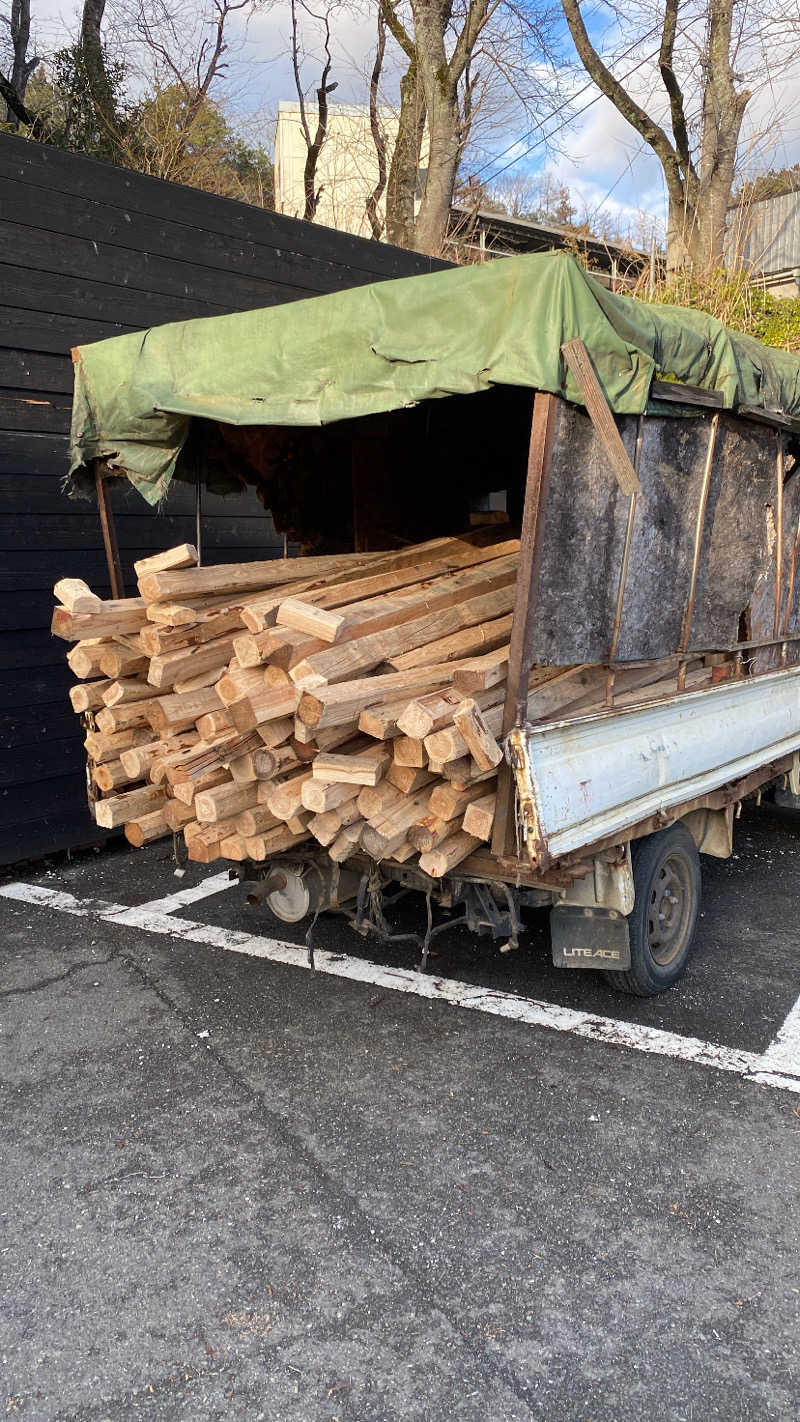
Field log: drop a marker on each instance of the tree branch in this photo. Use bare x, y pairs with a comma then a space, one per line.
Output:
650, 131
378, 137
476, 17
676, 105
397, 30
14, 102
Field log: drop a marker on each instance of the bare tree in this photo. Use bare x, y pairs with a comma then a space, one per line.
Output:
95, 70
440, 74
474, 67
311, 193
20, 69
186, 54
699, 175
403, 180
378, 135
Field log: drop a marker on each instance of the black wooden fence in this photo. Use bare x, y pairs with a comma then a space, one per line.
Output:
89, 251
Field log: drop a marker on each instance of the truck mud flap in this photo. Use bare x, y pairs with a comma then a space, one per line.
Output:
589, 938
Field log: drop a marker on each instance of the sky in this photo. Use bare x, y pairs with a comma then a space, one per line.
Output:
612, 175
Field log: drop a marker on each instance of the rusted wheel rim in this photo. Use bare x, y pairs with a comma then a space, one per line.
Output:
669, 909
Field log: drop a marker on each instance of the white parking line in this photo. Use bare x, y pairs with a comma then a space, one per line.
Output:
778, 1066
214, 884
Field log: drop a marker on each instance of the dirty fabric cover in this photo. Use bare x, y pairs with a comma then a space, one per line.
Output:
392, 344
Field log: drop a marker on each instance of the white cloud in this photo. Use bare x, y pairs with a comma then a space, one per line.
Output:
600, 158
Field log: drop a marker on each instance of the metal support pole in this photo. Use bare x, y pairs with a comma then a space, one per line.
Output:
778, 535
623, 575
109, 535
686, 630
198, 529
520, 658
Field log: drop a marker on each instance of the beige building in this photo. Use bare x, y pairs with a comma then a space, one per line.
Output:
347, 171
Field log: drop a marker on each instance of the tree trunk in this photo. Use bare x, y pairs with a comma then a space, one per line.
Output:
699, 194
403, 181
94, 64
444, 138
723, 111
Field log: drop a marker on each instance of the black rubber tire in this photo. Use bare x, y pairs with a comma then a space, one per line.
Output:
661, 862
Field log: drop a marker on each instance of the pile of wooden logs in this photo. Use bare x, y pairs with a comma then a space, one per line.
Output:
354, 701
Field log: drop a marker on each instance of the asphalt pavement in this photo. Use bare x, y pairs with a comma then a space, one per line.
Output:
234, 1188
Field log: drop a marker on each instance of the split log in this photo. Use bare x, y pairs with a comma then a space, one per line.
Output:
256, 765
223, 801
366, 768
237, 682
118, 661
111, 775
373, 804
406, 750
479, 817
212, 723
429, 832
346, 842
249, 711
146, 828
448, 855
85, 657
177, 814
481, 744
125, 716
176, 713
240, 577
72, 591
408, 778
318, 797
169, 667
209, 625
286, 799
331, 705
101, 746
233, 847
122, 693
256, 820
410, 639
184, 555
186, 790
481, 673
118, 809
450, 744
386, 834
449, 803
483, 635
430, 713
88, 697
326, 825
273, 842
373, 615
108, 619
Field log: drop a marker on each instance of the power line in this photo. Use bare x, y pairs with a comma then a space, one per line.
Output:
584, 89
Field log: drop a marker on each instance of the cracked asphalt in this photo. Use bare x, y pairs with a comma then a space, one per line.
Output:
232, 1189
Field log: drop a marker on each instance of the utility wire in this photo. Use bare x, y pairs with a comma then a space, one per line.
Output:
583, 90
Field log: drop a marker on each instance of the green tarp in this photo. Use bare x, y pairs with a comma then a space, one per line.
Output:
390, 345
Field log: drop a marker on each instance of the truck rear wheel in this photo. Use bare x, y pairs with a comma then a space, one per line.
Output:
666, 877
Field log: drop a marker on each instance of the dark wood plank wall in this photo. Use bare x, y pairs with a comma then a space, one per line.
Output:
89, 251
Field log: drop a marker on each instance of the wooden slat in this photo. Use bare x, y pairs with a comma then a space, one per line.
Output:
580, 366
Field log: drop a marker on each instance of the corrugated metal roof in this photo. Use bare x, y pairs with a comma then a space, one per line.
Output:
765, 236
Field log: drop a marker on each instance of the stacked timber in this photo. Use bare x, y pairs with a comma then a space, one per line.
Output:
353, 702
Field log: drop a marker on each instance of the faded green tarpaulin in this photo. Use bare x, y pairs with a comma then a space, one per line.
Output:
390, 345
